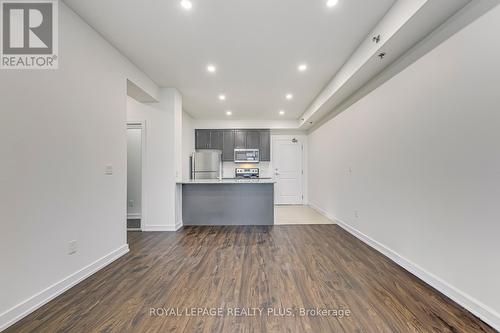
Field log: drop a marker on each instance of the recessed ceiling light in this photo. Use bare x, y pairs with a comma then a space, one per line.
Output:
289, 96
282, 112
222, 97
302, 67
186, 4
332, 3
211, 68
228, 113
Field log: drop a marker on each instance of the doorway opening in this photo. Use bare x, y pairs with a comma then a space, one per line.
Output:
135, 171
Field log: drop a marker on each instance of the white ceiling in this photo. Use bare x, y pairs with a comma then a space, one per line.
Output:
255, 44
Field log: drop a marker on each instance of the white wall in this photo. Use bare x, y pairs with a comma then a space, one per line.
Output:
159, 207
134, 172
59, 130
418, 159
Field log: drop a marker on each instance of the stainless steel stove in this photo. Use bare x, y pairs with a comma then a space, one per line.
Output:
247, 173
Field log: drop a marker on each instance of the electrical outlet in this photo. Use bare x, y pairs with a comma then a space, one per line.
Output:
72, 247
349, 171
356, 214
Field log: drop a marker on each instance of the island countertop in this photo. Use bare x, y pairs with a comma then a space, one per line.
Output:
228, 181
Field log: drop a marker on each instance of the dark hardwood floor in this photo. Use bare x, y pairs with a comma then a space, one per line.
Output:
281, 268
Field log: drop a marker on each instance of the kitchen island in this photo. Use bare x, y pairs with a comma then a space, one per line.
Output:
228, 202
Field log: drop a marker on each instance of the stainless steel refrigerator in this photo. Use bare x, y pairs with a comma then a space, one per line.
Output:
206, 164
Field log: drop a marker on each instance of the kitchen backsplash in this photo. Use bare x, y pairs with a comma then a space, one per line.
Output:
264, 169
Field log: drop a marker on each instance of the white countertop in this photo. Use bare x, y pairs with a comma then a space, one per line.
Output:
228, 181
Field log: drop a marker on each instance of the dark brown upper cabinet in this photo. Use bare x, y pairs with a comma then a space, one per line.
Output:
228, 146
265, 145
202, 139
208, 139
253, 140
240, 139
229, 139
216, 139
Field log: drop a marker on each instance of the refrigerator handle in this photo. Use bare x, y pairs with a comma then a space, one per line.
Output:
221, 171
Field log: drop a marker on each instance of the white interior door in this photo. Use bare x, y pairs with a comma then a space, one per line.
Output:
288, 171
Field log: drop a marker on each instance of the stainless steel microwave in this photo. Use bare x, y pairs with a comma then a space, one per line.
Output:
246, 156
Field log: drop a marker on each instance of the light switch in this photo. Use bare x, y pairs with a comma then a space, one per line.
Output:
108, 170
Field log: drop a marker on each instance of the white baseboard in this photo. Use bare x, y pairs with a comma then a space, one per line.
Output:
482, 311
26, 307
322, 212
178, 225
134, 216
162, 227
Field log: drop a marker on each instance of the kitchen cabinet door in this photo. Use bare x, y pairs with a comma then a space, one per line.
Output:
265, 146
253, 140
202, 139
216, 139
228, 145
240, 139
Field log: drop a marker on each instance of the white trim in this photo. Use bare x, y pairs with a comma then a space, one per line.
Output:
482, 311
148, 228
134, 216
29, 305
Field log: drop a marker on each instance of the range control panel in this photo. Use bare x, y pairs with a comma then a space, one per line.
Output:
247, 173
